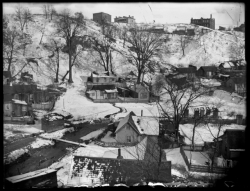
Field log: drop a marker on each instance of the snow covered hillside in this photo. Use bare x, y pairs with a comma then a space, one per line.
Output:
206, 49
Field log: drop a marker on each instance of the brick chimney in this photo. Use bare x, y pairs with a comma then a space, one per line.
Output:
210, 16
119, 154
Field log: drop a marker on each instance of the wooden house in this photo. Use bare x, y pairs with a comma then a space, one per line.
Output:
6, 77
43, 178
231, 144
206, 71
100, 79
26, 77
237, 84
132, 128
189, 72
102, 92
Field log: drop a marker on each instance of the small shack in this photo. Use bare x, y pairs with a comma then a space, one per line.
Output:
43, 178
52, 122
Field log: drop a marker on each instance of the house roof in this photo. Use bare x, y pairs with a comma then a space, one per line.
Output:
209, 68
124, 121
139, 88
111, 91
19, 102
142, 125
7, 74
103, 74
186, 70
26, 176
88, 170
146, 125
103, 87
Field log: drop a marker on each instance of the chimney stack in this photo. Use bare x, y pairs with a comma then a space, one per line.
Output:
210, 16
119, 154
141, 112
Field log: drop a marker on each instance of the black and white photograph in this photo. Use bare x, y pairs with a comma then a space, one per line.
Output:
124, 94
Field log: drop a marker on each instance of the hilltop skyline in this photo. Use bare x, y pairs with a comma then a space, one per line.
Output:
225, 14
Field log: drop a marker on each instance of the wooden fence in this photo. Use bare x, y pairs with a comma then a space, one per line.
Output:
208, 169
185, 157
201, 168
195, 148
40, 106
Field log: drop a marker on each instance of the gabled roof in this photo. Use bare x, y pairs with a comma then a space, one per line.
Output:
146, 125
209, 68
26, 176
126, 120
103, 87
185, 70
7, 74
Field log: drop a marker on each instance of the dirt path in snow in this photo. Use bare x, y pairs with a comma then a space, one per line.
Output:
122, 110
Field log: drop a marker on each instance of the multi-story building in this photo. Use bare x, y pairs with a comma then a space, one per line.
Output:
101, 17
209, 22
129, 20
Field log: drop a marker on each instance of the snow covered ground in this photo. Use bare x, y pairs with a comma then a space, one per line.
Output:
13, 130
202, 133
108, 139
148, 109
75, 102
92, 134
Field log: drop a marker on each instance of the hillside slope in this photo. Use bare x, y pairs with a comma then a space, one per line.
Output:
207, 49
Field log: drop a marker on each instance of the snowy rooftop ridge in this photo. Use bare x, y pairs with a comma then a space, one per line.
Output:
19, 102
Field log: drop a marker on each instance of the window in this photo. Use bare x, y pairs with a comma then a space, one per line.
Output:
128, 127
129, 139
97, 79
143, 95
101, 93
93, 94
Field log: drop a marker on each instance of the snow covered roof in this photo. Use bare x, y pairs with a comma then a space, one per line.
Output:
208, 68
26, 176
146, 125
142, 125
19, 102
90, 170
111, 91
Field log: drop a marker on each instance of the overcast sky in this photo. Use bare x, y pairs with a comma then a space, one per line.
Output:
225, 14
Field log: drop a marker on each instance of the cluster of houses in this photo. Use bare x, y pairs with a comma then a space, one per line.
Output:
21, 96
109, 88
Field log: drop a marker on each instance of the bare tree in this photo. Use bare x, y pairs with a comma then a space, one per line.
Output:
42, 28
219, 124
144, 47
184, 42
179, 94
23, 16
70, 27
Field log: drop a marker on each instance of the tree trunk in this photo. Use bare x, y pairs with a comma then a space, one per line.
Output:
41, 39
139, 77
57, 69
70, 66
65, 76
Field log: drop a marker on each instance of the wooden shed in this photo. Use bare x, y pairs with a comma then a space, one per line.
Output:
43, 178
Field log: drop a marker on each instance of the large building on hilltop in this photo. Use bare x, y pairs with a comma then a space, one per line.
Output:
100, 17
129, 20
209, 22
